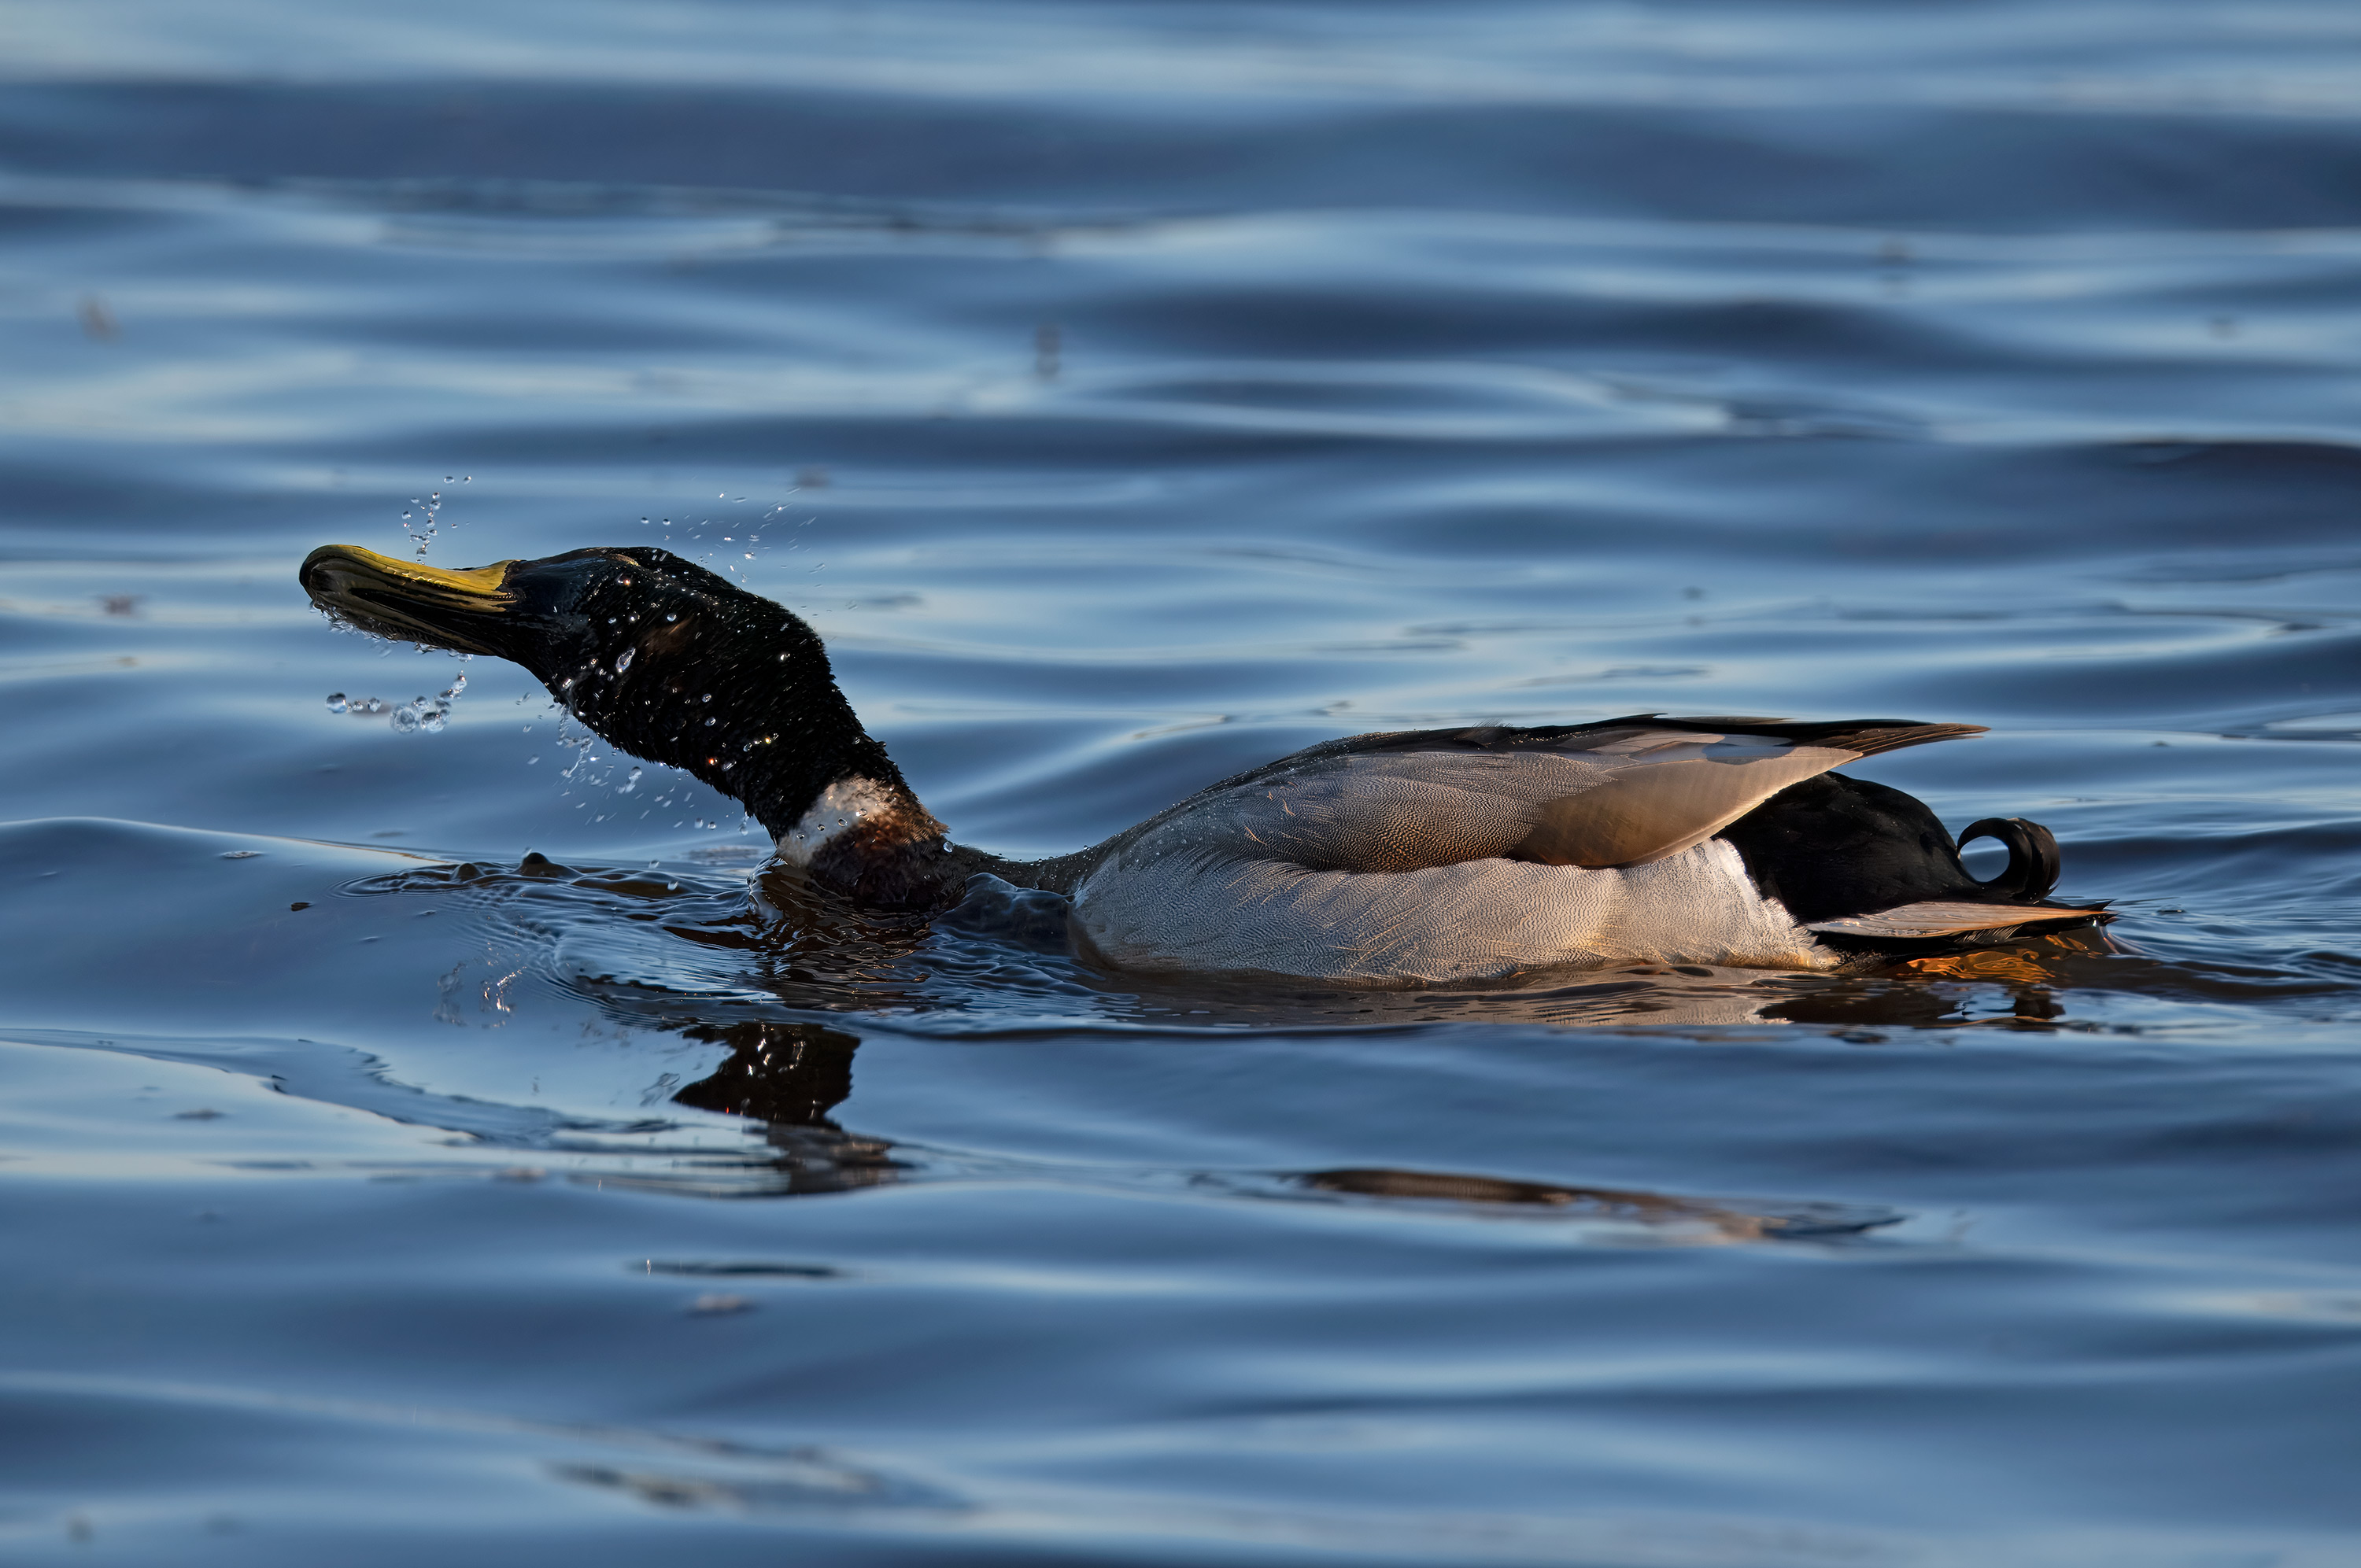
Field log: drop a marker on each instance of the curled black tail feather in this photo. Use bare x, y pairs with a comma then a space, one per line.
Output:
2033, 865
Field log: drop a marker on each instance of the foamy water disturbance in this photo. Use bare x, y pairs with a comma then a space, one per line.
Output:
1130, 396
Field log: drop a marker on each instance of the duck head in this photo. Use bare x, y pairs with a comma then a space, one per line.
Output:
664, 659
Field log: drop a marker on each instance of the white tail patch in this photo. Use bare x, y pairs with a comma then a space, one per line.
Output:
1944, 918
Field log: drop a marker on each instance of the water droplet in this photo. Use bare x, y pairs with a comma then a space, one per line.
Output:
629, 785
623, 660
707, 697
337, 702
709, 723
406, 720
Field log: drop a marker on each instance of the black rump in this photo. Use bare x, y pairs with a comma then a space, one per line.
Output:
1833, 846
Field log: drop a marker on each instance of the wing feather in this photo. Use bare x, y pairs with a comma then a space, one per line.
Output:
1649, 811
1624, 792
1944, 917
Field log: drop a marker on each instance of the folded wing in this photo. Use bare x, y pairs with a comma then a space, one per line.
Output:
1624, 792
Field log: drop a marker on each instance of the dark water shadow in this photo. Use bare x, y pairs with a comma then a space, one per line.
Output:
787, 1077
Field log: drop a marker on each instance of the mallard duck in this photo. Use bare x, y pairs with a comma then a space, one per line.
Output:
1417, 856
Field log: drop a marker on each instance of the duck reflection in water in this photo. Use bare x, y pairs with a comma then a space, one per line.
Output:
789, 1076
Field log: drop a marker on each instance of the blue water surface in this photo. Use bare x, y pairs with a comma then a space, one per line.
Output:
1131, 392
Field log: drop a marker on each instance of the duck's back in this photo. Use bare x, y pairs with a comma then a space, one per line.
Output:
1444, 855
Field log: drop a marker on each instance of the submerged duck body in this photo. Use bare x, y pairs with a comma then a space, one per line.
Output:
1418, 857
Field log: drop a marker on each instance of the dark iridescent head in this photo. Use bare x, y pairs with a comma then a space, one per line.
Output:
664, 659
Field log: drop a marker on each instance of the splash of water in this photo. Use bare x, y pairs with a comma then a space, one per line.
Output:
422, 530
420, 713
